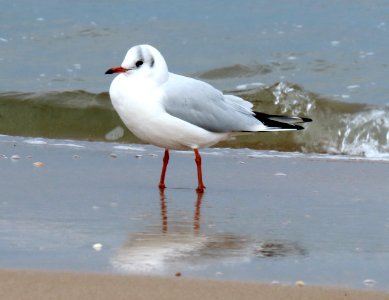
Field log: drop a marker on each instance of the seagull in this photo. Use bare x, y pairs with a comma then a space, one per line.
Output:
181, 113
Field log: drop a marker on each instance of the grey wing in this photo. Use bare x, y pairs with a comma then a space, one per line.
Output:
200, 104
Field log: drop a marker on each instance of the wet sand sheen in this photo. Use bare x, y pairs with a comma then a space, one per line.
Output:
265, 216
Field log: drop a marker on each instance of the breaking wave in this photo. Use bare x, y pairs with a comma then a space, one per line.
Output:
338, 127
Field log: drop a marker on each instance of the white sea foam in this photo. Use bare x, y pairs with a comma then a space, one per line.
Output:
35, 141
115, 134
128, 147
248, 86
67, 145
367, 134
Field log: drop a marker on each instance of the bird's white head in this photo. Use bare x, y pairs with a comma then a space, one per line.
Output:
143, 61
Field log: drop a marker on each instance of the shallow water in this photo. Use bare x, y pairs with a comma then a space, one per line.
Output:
327, 225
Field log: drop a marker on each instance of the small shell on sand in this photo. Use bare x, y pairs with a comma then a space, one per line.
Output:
369, 282
299, 283
113, 155
38, 164
138, 155
178, 274
280, 174
97, 247
15, 156
76, 156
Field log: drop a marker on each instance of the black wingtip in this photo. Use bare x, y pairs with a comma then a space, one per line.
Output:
266, 120
306, 120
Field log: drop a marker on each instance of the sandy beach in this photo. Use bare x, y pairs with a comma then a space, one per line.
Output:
18, 285
93, 211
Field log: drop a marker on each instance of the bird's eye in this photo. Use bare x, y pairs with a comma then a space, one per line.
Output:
138, 63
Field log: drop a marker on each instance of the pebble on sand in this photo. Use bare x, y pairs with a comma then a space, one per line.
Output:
280, 174
299, 283
97, 247
369, 282
38, 164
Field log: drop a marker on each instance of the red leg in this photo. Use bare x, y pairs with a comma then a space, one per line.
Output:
201, 187
164, 166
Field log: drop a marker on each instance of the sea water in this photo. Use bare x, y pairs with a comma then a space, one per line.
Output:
325, 60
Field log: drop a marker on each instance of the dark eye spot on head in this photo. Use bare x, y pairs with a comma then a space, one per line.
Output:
139, 63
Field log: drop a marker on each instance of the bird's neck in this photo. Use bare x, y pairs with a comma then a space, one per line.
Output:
161, 73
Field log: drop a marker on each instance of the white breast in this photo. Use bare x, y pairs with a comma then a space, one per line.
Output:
139, 105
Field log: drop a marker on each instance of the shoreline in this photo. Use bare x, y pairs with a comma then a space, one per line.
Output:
22, 284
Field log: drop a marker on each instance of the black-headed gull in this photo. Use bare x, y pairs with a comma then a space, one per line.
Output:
177, 112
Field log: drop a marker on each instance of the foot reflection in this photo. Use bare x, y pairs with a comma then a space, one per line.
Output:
196, 222
163, 210
179, 243
196, 219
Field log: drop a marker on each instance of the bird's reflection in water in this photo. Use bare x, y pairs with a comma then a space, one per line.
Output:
163, 211
196, 219
177, 246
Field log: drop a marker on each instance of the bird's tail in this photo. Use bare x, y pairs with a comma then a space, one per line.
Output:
281, 123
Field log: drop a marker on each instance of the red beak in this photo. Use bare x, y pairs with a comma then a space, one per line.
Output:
116, 70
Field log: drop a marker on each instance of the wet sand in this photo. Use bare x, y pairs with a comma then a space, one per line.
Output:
265, 217
30, 285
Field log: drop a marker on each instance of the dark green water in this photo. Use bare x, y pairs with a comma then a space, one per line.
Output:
338, 127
